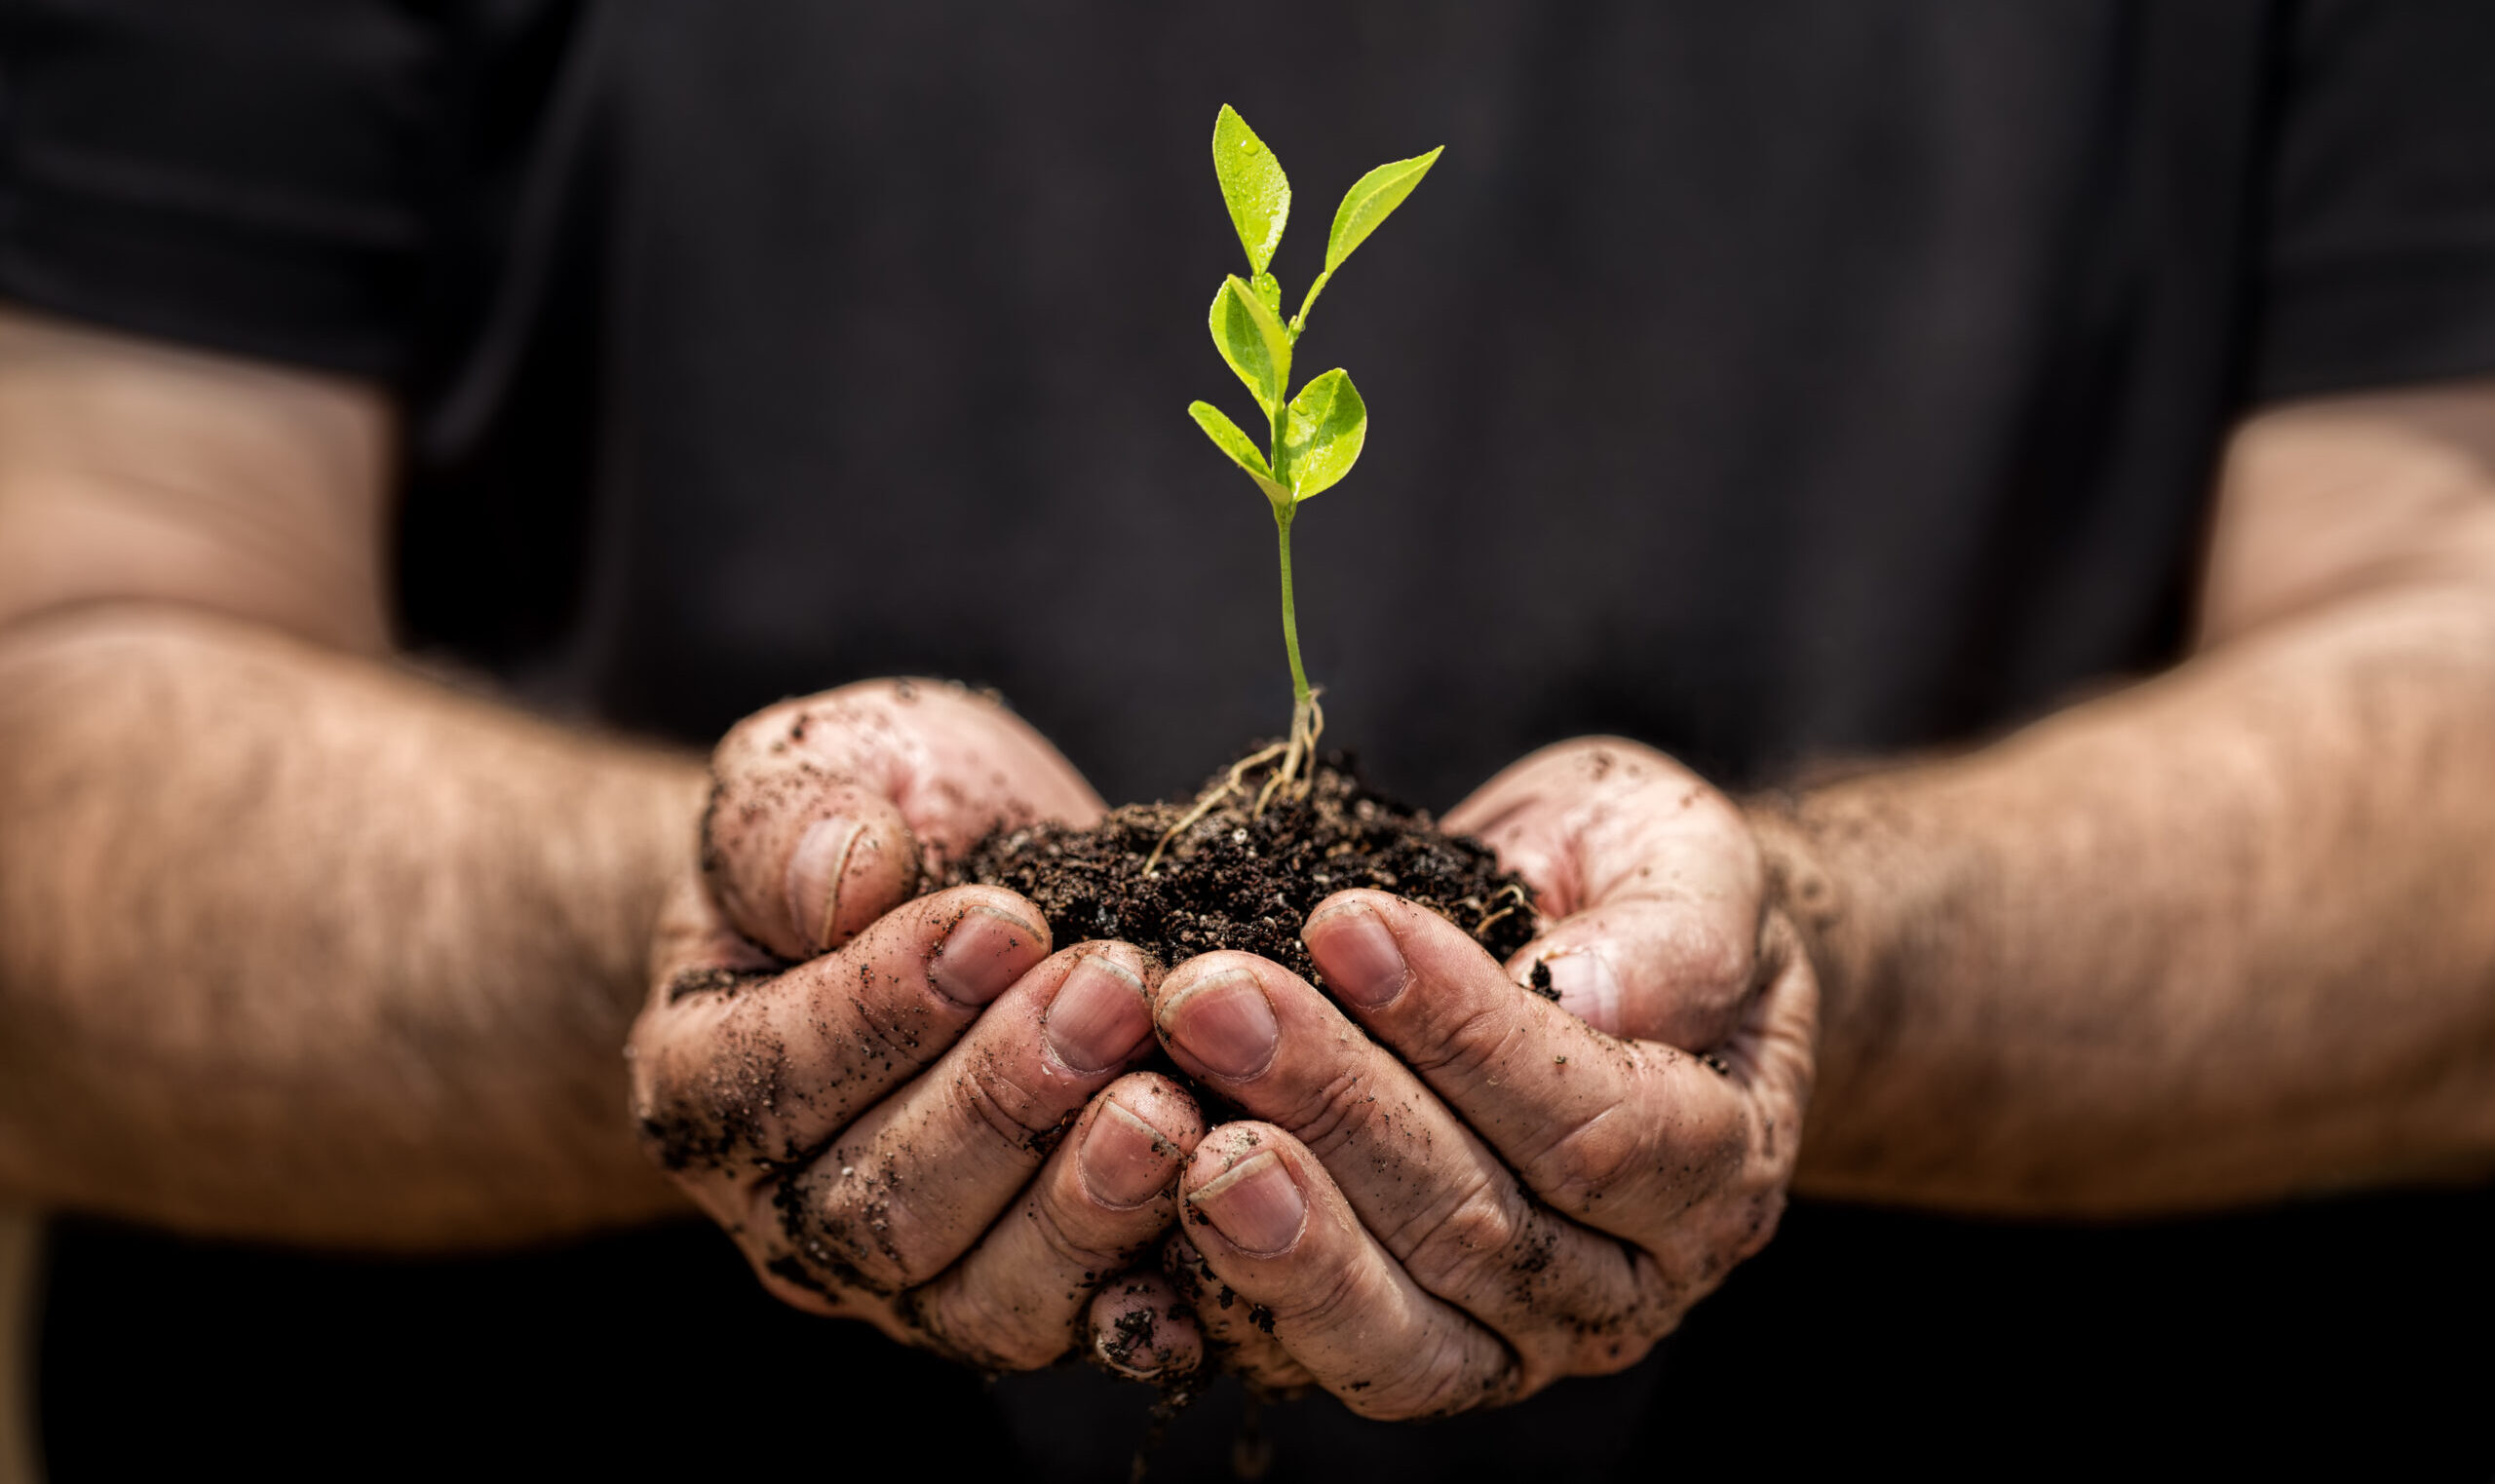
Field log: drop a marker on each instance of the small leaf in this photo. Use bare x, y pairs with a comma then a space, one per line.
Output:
1371, 199
1322, 434
1250, 337
1242, 450
1252, 186
1270, 289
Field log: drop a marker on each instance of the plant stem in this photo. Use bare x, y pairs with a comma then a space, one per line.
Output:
1299, 320
1291, 617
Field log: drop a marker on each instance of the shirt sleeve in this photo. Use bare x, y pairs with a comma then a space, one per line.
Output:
291, 180
2377, 259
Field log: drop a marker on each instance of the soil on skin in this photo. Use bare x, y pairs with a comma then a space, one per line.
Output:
1237, 880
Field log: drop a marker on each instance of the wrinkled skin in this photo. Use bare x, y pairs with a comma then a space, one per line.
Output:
910, 1111
1450, 1192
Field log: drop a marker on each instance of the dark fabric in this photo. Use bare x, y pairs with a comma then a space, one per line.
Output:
2381, 213
1769, 382
327, 185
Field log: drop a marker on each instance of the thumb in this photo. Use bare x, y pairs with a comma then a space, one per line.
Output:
801, 862
1655, 879
1648, 969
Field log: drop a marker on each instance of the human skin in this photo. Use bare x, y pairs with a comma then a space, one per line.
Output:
298, 945
906, 1109
2223, 937
293, 943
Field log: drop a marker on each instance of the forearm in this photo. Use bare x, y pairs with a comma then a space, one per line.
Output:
2226, 936
295, 945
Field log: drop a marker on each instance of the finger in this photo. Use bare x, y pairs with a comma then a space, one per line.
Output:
1142, 1330
1272, 1225
802, 860
1624, 845
908, 1188
1647, 968
735, 1073
1626, 1135
1235, 1329
826, 811
1015, 1300
1436, 1197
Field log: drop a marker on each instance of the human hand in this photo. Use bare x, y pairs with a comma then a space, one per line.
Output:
922, 1122
1485, 1192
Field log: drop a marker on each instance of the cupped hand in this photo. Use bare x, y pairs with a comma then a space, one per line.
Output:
1450, 1191
909, 1109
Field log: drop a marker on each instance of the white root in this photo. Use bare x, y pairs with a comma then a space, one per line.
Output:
1291, 778
1210, 800
1298, 767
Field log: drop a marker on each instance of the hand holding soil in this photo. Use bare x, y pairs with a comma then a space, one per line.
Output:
927, 1126
1455, 1192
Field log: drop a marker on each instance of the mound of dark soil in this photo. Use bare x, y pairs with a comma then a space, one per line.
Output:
1237, 880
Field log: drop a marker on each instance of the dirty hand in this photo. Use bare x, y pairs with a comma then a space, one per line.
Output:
1457, 1192
908, 1110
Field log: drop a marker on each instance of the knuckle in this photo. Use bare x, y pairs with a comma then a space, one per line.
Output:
1457, 1242
1317, 1293
1018, 1118
1594, 1160
1471, 1047
1331, 1114
1085, 1254
982, 1326
840, 1226
897, 1021
1426, 1381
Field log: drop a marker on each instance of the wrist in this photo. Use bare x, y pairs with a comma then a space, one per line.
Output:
1818, 847
661, 797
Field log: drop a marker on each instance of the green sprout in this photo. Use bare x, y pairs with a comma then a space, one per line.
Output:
1315, 436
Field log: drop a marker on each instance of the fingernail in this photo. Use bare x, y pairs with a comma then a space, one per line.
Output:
1222, 1020
1588, 987
1099, 1016
812, 884
1258, 1206
1357, 956
1125, 1160
982, 956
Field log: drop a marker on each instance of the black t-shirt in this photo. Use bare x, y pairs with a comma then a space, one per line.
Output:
1771, 382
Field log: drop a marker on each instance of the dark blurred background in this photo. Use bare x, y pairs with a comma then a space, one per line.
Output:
1779, 384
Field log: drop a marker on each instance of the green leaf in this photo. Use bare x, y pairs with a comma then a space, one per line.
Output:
1270, 289
1252, 186
1242, 450
1371, 199
1322, 434
1250, 337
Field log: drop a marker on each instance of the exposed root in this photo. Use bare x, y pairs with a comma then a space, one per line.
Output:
1290, 778
1211, 800
1515, 898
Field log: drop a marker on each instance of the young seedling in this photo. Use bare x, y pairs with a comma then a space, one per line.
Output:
1312, 437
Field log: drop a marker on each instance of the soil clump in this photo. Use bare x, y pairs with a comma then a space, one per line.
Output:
1238, 879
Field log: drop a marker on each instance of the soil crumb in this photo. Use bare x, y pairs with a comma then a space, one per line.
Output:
1237, 880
